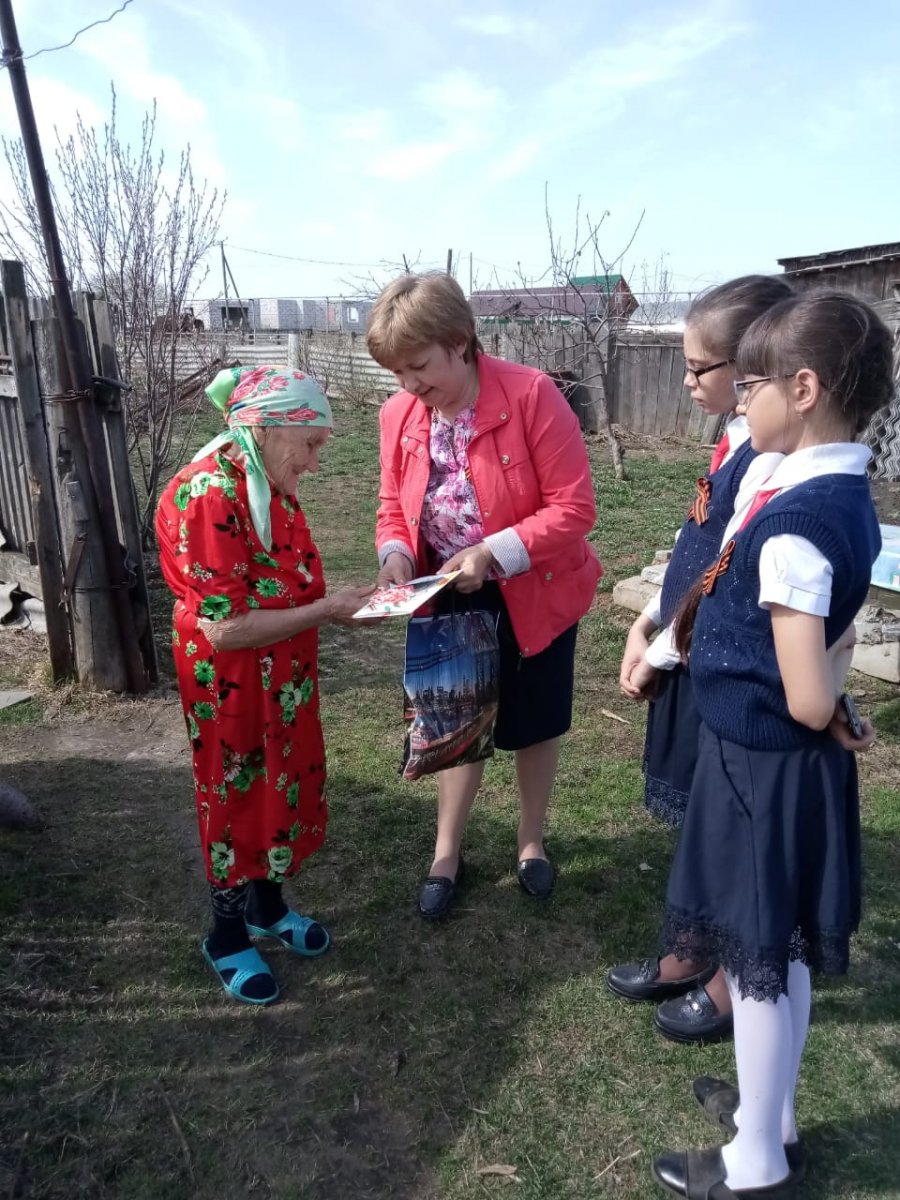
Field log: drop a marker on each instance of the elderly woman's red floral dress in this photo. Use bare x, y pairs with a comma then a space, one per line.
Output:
252, 714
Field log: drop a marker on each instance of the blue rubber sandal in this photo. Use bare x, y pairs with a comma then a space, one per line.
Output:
247, 965
298, 927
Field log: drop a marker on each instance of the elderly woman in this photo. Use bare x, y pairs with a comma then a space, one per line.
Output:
237, 552
484, 471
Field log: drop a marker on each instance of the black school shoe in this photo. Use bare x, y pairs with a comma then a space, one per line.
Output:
693, 1017
437, 893
700, 1175
536, 877
720, 1101
639, 981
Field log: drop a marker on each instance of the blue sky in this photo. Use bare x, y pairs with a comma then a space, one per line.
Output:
362, 130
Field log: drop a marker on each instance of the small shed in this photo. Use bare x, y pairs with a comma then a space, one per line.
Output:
870, 272
873, 274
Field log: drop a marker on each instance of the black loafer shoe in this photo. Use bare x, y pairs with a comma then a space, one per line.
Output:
720, 1101
700, 1175
536, 876
693, 1018
640, 981
437, 893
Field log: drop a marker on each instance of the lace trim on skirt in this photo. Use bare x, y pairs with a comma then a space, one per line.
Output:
664, 801
759, 976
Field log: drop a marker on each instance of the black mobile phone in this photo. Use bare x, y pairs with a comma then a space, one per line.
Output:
854, 720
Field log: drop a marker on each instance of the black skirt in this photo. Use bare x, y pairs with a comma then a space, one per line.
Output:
670, 747
767, 867
535, 698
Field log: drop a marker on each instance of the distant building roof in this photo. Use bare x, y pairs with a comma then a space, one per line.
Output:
587, 295
606, 283
830, 260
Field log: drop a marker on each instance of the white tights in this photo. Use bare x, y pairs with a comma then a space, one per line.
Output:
769, 1037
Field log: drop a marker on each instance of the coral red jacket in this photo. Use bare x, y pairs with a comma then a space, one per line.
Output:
530, 472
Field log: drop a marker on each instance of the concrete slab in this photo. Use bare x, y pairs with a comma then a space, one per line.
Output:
881, 661
655, 573
634, 593
9, 698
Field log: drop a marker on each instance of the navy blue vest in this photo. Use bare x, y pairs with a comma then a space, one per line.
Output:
737, 684
699, 541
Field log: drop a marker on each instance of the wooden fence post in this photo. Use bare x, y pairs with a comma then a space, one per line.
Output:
102, 349
39, 468
95, 629
293, 353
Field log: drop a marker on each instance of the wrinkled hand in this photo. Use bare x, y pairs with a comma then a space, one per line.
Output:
341, 605
643, 682
635, 649
839, 728
473, 565
397, 569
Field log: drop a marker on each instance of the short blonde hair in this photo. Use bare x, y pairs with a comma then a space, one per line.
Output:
415, 311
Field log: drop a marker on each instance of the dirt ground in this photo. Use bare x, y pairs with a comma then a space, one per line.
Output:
120, 1063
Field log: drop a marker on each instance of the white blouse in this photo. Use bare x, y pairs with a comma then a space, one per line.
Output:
792, 572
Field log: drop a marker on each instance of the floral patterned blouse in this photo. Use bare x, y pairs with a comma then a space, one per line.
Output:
451, 517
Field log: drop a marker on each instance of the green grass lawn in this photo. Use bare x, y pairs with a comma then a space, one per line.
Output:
411, 1058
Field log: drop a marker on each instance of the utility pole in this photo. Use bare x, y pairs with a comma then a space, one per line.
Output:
81, 380
226, 317
226, 271
470, 272
450, 261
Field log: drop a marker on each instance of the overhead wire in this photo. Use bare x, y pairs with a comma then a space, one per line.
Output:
77, 34
322, 262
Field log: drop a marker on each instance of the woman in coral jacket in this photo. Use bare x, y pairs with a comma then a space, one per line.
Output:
484, 471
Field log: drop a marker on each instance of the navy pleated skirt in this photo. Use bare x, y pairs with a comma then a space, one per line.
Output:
670, 747
767, 867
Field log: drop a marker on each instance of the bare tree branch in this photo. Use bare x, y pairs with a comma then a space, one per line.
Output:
136, 232
565, 320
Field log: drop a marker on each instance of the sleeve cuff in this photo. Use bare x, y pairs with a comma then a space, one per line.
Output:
509, 552
396, 547
652, 610
811, 603
661, 652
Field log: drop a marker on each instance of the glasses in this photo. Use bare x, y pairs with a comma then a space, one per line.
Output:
699, 372
742, 386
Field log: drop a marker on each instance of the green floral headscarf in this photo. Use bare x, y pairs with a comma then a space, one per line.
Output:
249, 396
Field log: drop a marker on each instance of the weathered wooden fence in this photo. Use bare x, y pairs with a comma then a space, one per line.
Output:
48, 508
647, 393
340, 361
645, 372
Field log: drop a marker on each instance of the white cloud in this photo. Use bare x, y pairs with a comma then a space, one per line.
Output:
369, 125
516, 160
227, 30
460, 93
124, 50
461, 114
501, 25
56, 105
653, 55
413, 159
596, 86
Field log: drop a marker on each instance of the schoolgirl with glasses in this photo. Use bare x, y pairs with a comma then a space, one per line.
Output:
693, 1000
766, 875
